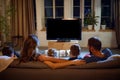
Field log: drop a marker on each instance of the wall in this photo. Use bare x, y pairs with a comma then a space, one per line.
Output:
108, 37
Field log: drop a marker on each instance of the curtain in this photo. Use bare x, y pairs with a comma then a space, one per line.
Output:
116, 7
23, 22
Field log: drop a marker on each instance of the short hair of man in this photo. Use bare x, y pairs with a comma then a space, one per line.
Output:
95, 42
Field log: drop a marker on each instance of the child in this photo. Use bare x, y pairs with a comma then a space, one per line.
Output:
74, 51
52, 52
8, 51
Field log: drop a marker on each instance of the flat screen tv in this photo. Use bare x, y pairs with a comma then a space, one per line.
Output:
63, 30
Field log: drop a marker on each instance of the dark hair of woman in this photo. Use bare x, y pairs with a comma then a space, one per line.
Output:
28, 51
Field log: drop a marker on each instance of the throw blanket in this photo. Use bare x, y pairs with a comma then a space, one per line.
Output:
5, 61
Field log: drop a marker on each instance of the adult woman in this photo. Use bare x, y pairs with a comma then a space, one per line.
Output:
28, 52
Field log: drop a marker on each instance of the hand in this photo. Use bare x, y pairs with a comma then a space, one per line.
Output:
78, 62
42, 58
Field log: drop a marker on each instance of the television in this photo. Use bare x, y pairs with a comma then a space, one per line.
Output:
63, 29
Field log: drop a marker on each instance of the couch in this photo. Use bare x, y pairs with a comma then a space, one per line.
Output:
101, 70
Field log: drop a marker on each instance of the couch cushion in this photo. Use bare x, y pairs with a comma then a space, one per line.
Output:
111, 62
31, 64
5, 61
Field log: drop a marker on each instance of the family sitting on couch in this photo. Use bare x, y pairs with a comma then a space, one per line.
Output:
29, 53
94, 45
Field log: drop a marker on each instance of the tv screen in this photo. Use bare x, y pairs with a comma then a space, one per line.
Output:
63, 30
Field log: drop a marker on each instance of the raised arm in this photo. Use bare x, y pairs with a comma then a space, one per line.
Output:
64, 64
51, 59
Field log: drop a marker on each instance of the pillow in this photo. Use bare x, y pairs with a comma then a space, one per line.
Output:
112, 62
114, 57
5, 62
31, 64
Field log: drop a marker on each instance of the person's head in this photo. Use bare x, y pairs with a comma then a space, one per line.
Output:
75, 50
36, 38
94, 43
8, 51
51, 52
29, 47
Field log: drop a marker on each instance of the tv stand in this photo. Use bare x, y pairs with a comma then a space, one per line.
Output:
63, 40
60, 45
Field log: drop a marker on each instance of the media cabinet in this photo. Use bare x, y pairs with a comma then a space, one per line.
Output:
60, 45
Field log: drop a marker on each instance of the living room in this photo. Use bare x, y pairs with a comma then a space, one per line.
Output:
110, 41
108, 36
30, 17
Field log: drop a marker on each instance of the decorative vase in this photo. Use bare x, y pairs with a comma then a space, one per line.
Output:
103, 27
96, 28
90, 27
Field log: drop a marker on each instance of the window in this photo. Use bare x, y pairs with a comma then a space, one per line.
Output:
106, 10
87, 7
59, 7
48, 8
79, 10
54, 9
76, 8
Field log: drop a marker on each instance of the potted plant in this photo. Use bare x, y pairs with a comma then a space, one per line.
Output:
90, 21
103, 24
5, 22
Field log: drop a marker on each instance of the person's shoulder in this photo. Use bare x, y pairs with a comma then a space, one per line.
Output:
107, 52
